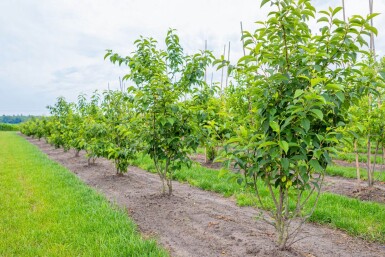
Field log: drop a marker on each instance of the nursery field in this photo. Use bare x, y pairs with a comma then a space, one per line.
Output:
283, 157
47, 211
193, 222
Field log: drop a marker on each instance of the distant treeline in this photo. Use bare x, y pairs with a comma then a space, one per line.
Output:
14, 119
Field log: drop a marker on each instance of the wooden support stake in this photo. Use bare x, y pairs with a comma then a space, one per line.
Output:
228, 59
224, 53
206, 66
243, 41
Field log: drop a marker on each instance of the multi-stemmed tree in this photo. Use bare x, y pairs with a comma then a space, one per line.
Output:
163, 79
302, 85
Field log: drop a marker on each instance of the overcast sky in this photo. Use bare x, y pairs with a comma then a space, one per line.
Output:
52, 48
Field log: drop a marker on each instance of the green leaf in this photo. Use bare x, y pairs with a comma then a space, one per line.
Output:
371, 16
340, 96
323, 19
107, 54
335, 87
318, 113
336, 10
305, 124
316, 81
298, 93
274, 125
264, 2
372, 29
222, 173
316, 166
267, 143
307, 13
285, 163
284, 145
382, 73
360, 127
171, 120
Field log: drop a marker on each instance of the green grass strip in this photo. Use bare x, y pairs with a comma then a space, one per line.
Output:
362, 219
45, 210
362, 157
350, 172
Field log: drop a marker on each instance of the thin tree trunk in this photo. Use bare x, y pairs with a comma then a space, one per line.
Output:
281, 220
357, 162
205, 154
168, 179
369, 171
375, 158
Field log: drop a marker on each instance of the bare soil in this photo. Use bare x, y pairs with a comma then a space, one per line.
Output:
351, 188
194, 222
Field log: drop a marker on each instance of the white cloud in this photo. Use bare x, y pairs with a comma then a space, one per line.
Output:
56, 47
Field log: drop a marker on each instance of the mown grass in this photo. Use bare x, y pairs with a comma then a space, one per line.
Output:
350, 172
362, 219
362, 157
47, 211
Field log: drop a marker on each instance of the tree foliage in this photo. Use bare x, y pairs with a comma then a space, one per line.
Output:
302, 85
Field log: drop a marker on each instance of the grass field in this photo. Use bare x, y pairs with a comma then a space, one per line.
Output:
46, 211
350, 172
362, 157
362, 219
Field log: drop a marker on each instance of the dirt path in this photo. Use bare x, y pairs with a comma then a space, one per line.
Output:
194, 222
349, 187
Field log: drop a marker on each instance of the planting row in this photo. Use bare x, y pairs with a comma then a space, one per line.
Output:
288, 105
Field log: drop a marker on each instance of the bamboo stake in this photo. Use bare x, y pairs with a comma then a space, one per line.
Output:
248, 95
369, 148
206, 66
243, 41
228, 59
372, 50
224, 53
372, 46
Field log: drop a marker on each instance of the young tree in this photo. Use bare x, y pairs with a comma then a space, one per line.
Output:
164, 78
95, 131
213, 121
122, 142
302, 85
61, 112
